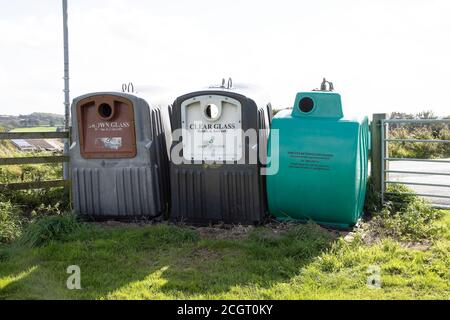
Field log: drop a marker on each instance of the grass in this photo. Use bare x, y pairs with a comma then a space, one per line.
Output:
406, 216
30, 203
28, 172
10, 221
34, 129
175, 262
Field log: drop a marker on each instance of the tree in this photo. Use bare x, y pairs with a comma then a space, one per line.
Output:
426, 115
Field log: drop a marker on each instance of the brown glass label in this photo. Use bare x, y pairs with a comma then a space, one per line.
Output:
106, 127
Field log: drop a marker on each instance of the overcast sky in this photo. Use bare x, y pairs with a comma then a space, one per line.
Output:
382, 55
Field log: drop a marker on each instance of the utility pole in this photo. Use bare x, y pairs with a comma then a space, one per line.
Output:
66, 86
66, 66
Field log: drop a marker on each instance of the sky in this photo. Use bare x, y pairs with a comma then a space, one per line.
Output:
382, 56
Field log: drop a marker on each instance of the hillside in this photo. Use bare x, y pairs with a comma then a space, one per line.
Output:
35, 119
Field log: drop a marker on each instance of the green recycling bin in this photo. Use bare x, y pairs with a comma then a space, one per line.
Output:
322, 160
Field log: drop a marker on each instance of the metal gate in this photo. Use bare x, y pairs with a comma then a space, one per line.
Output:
407, 166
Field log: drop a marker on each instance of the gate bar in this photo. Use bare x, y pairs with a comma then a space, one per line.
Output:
420, 184
417, 160
383, 159
417, 140
424, 121
419, 194
419, 172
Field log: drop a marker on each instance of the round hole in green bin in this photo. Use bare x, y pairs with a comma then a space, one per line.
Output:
306, 105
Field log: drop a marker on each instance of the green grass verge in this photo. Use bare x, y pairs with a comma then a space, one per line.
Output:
171, 262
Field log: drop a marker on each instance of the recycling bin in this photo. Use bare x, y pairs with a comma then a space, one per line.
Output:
118, 157
216, 159
322, 162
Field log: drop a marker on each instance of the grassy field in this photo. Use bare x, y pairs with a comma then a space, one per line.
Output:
169, 262
35, 129
28, 172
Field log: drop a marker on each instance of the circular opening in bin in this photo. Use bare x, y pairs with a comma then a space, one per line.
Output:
306, 105
212, 111
105, 111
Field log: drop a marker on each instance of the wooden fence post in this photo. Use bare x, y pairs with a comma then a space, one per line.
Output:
376, 145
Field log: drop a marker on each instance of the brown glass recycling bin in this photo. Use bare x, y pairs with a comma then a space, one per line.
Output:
119, 160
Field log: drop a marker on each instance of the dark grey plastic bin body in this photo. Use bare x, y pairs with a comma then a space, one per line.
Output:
121, 172
204, 193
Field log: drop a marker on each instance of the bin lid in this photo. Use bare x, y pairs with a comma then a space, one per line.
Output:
258, 94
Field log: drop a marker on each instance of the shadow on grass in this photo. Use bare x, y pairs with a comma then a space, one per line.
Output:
157, 262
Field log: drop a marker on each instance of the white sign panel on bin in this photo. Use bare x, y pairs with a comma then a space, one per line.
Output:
212, 128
